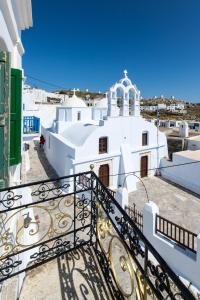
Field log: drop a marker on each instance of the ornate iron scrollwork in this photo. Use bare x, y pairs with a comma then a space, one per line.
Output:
69, 213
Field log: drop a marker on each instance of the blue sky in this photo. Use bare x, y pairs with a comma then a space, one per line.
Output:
87, 44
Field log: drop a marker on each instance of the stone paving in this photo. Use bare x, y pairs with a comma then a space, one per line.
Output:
67, 277
75, 275
175, 203
40, 169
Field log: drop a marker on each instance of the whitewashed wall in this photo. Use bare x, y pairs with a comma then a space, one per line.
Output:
185, 175
65, 116
80, 153
184, 263
15, 16
193, 143
58, 153
99, 113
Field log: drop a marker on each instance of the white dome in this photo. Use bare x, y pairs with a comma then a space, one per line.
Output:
74, 101
103, 103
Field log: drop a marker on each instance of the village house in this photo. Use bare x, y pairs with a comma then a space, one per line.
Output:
15, 16
113, 141
186, 164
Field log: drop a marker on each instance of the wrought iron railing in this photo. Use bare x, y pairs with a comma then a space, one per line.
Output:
177, 233
113, 193
42, 220
135, 215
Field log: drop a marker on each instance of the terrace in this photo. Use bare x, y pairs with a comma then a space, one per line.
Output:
76, 222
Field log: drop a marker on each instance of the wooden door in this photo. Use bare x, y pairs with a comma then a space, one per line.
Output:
144, 166
104, 174
4, 117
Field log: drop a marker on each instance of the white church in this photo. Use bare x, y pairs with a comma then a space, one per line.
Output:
111, 138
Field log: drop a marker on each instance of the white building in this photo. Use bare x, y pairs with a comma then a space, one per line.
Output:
15, 16
114, 140
186, 170
41, 104
193, 143
32, 96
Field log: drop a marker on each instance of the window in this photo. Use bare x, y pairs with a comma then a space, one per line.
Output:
103, 145
79, 116
144, 139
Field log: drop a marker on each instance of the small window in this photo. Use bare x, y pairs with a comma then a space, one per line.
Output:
144, 139
103, 145
79, 116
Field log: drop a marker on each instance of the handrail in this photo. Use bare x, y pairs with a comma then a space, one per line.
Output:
185, 293
84, 214
175, 232
136, 215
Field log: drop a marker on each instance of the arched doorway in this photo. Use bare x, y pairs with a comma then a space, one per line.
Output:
104, 174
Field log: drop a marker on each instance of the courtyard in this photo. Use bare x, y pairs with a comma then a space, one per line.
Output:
175, 203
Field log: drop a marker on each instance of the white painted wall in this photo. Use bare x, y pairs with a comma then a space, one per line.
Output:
184, 263
32, 95
185, 175
183, 129
193, 143
99, 113
14, 17
46, 113
82, 146
58, 153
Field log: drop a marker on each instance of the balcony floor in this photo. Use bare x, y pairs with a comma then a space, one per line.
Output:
75, 275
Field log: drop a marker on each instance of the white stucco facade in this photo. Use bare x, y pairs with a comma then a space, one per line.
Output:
193, 143
72, 143
15, 16
33, 97
183, 262
184, 169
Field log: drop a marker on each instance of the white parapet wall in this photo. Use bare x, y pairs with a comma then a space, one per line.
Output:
185, 263
184, 169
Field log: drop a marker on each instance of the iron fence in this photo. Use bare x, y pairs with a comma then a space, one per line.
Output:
42, 220
135, 215
177, 233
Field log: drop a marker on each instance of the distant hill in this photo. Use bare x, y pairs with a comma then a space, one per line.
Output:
158, 100
82, 94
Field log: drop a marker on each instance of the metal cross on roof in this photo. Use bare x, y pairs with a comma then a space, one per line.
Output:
125, 73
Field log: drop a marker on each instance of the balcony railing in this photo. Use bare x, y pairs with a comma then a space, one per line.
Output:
177, 233
42, 220
135, 215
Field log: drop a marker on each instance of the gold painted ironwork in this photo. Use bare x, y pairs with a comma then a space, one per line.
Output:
128, 278
34, 224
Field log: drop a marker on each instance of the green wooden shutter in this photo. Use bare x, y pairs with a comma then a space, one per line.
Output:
15, 116
4, 117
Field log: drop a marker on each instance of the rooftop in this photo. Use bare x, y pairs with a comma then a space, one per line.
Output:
195, 155
74, 101
195, 138
78, 133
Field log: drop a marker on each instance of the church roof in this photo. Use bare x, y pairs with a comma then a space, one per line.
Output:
74, 101
78, 133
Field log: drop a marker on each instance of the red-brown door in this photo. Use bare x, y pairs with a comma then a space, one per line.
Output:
144, 166
104, 174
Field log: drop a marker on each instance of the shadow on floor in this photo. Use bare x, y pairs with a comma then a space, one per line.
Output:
51, 173
80, 276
